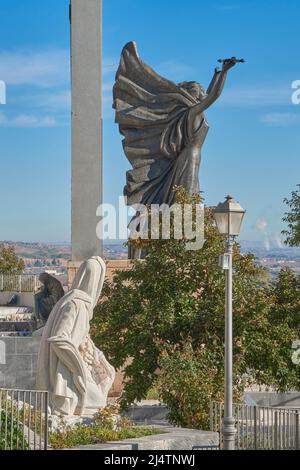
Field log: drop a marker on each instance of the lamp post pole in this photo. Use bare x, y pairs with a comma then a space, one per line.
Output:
228, 217
228, 429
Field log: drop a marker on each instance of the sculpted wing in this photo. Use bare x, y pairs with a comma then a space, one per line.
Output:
144, 101
152, 115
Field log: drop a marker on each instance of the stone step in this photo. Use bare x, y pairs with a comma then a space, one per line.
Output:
148, 413
171, 439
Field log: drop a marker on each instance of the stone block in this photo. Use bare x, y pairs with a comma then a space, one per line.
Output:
25, 380
10, 381
9, 344
18, 362
34, 360
2, 379
28, 345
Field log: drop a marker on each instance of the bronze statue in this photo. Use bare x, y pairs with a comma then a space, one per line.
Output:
164, 128
50, 293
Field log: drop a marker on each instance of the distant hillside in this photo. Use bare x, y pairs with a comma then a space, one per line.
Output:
43, 254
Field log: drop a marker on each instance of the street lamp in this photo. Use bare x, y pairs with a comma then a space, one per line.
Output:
228, 217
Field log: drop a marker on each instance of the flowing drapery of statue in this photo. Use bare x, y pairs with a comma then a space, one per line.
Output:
70, 367
164, 129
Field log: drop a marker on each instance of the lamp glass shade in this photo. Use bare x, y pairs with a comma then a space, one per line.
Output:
228, 217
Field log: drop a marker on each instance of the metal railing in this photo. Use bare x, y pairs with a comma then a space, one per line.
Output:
19, 283
23, 420
260, 427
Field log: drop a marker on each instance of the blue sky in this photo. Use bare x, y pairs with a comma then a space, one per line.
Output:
252, 149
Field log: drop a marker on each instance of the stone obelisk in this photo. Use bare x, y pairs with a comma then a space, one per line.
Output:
86, 65
86, 53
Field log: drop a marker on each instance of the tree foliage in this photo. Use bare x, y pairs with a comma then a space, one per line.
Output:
10, 263
163, 321
292, 218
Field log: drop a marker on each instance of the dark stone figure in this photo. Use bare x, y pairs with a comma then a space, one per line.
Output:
164, 128
51, 292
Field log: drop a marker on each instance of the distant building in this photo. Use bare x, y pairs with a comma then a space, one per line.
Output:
53, 272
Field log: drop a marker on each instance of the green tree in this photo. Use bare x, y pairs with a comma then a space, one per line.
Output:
10, 263
292, 218
284, 317
164, 319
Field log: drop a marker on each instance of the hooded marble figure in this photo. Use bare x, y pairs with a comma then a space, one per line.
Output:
163, 126
70, 367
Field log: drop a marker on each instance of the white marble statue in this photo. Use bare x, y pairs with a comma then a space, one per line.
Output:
70, 367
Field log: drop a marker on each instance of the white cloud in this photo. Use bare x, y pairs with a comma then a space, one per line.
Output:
45, 68
281, 119
174, 70
56, 100
28, 121
47, 73
42, 68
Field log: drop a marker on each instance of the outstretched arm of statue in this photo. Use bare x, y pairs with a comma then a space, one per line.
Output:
214, 90
214, 83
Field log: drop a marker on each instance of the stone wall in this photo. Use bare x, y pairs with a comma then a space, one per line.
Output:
273, 399
18, 362
26, 299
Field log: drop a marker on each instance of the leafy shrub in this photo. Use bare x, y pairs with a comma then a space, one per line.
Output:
109, 418
107, 426
188, 381
11, 435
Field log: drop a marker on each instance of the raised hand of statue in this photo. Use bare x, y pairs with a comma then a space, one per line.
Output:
229, 63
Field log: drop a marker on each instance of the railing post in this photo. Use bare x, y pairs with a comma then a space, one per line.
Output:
46, 422
297, 429
276, 431
211, 416
20, 283
2, 282
255, 426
